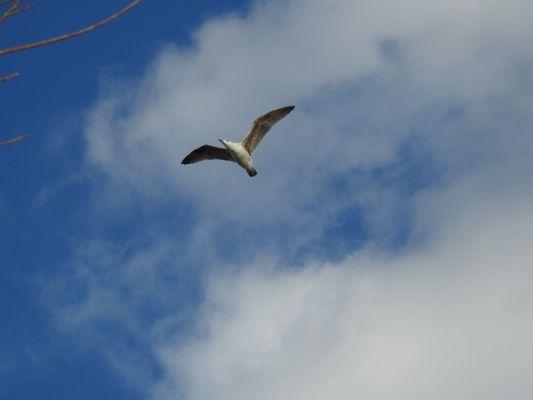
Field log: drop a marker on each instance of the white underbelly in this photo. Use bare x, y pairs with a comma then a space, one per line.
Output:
241, 156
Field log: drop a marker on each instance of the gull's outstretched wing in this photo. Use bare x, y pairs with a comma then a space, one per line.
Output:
207, 152
261, 126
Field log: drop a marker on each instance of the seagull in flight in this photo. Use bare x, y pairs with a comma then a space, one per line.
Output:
240, 152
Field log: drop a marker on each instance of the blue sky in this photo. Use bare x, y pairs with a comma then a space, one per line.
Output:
382, 250
55, 86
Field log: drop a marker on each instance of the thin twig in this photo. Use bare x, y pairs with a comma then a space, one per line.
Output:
10, 11
9, 77
20, 9
13, 140
5, 2
69, 35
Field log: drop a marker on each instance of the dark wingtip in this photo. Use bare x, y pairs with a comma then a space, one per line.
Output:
252, 173
285, 110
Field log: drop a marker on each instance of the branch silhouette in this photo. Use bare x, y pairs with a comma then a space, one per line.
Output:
71, 35
13, 140
15, 7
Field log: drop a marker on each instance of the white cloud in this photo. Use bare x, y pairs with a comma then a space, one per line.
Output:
389, 95
450, 320
366, 77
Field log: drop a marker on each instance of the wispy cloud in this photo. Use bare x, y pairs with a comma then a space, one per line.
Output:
413, 119
366, 77
450, 320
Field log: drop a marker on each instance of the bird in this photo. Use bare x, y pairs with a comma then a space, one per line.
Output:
240, 152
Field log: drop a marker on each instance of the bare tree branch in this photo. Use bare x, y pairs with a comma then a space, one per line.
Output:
14, 9
5, 2
13, 140
9, 77
20, 9
69, 35
10, 10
